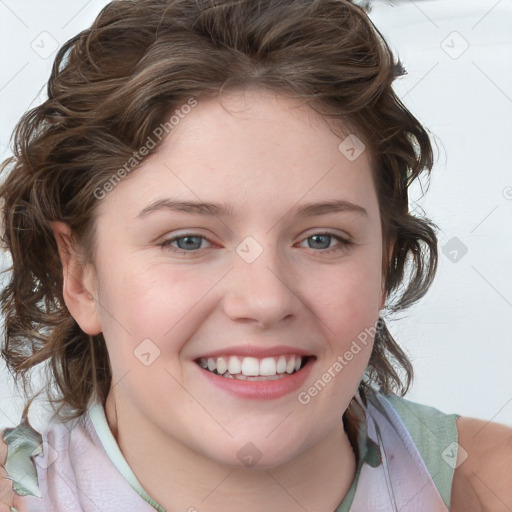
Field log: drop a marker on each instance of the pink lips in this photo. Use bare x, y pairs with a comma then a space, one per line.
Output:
262, 390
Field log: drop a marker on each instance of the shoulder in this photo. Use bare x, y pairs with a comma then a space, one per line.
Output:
422, 416
483, 477
434, 434
6, 492
3, 448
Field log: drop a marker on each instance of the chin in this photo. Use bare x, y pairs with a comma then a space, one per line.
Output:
259, 454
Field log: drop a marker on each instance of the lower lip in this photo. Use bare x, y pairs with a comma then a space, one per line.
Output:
262, 390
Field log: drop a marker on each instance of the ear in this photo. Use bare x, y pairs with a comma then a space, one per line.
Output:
383, 298
78, 282
387, 251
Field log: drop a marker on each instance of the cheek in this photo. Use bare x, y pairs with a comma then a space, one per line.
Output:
347, 297
140, 301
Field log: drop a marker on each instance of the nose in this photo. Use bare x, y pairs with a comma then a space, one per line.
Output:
259, 287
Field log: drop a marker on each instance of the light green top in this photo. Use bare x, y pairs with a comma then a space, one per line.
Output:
432, 432
430, 429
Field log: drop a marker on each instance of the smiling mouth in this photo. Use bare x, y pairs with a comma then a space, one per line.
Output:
252, 368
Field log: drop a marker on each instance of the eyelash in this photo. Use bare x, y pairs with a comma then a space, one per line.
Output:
344, 243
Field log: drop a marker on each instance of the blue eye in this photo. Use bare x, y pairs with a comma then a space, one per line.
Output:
191, 242
323, 239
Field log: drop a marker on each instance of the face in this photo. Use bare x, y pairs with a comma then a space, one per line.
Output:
258, 284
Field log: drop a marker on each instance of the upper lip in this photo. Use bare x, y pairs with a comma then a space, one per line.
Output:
256, 351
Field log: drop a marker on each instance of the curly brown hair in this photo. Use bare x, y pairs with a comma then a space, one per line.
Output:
115, 82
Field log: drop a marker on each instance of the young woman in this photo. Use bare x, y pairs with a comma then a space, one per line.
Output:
206, 219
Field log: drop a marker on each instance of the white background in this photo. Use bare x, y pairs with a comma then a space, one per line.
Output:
458, 57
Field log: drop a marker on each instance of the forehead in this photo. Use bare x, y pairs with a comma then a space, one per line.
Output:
253, 116
251, 144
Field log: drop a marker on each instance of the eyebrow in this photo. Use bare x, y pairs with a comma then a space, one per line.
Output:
224, 210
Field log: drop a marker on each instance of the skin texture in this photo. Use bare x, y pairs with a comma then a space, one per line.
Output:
264, 155
483, 481
6, 494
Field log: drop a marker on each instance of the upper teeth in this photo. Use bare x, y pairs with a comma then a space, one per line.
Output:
251, 366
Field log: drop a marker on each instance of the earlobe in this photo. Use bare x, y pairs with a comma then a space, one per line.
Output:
386, 263
383, 299
78, 282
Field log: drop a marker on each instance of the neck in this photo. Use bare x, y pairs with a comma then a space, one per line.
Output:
179, 478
